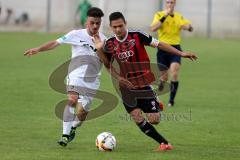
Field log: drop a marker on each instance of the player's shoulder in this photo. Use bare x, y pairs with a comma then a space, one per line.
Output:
138, 31
110, 38
75, 32
178, 14
160, 13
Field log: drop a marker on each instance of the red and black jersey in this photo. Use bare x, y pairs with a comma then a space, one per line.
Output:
131, 56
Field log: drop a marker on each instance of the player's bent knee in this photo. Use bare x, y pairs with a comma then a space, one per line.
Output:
137, 118
153, 118
136, 115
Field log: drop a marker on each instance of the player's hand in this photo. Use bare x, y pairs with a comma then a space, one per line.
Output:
31, 52
190, 56
167, 11
187, 27
98, 42
125, 83
190, 29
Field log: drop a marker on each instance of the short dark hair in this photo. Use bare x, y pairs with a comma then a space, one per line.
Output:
95, 12
116, 15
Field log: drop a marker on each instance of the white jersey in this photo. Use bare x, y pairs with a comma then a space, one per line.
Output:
85, 66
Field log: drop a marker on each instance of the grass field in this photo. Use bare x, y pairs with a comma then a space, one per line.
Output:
209, 89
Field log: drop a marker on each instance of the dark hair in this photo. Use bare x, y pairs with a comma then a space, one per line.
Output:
95, 12
116, 15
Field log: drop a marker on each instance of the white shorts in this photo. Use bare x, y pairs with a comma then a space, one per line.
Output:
86, 90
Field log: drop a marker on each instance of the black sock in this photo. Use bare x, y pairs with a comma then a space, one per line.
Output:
65, 135
149, 130
174, 87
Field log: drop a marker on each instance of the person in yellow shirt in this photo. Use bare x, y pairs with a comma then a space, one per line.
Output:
168, 25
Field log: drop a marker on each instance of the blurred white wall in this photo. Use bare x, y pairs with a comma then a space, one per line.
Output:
139, 14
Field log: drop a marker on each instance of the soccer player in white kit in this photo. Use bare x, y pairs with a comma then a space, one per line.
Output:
82, 79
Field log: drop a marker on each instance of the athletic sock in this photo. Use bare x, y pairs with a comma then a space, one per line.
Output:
174, 88
67, 128
150, 131
68, 117
65, 135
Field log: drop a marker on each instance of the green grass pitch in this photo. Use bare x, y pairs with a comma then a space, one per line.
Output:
208, 98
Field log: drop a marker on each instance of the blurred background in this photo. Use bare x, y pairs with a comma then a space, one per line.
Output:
211, 18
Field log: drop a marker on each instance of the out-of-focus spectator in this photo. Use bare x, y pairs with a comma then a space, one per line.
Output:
0, 8
82, 9
22, 17
9, 12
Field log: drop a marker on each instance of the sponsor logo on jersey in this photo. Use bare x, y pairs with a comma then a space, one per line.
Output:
123, 56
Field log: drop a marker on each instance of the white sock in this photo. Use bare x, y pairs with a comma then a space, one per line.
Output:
68, 118
67, 128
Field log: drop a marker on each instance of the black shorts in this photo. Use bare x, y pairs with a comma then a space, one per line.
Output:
165, 59
142, 98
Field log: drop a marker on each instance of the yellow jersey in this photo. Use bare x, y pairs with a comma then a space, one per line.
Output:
170, 30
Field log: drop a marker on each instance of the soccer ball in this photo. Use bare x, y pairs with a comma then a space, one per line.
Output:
105, 141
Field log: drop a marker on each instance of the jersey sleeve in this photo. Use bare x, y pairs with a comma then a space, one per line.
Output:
184, 21
67, 38
148, 40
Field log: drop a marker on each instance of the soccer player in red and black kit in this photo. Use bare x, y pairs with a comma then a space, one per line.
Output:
126, 47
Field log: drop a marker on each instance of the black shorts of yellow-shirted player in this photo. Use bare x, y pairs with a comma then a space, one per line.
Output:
72, 118
126, 47
168, 25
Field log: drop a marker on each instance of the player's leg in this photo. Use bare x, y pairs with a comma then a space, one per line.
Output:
82, 109
68, 117
146, 127
152, 108
80, 117
163, 80
163, 65
175, 62
174, 69
154, 118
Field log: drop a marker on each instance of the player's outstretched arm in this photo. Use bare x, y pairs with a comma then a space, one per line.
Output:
174, 51
45, 47
187, 27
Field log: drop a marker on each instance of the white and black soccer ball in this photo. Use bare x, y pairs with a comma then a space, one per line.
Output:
106, 141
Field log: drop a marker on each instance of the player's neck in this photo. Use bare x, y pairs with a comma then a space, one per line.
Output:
122, 37
89, 33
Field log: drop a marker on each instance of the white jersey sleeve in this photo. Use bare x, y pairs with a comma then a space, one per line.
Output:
69, 38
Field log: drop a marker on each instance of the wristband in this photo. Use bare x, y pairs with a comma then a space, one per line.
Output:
163, 19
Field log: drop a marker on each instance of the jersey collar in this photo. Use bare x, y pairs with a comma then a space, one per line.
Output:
123, 38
